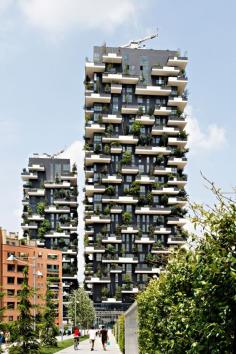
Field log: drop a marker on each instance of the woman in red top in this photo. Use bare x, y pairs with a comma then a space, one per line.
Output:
76, 337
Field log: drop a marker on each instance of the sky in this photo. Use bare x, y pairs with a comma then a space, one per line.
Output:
43, 46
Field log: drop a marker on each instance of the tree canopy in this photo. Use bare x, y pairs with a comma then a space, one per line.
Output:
81, 307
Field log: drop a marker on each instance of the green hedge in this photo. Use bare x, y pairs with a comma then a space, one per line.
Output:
119, 332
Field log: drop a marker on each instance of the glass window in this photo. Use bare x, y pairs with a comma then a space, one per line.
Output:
10, 267
10, 280
10, 292
129, 208
129, 179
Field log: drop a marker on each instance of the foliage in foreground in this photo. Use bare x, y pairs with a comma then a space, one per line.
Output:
49, 330
191, 308
61, 345
80, 303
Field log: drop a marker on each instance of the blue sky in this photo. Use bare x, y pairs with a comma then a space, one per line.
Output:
43, 45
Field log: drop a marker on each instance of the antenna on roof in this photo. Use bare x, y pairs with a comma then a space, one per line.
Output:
137, 44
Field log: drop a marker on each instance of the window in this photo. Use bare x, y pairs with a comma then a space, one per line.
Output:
20, 268
129, 208
52, 256
129, 179
10, 292
141, 168
10, 305
10, 267
97, 197
142, 190
10, 318
20, 280
10, 280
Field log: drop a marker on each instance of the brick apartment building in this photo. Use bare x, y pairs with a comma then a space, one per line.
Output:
44, 269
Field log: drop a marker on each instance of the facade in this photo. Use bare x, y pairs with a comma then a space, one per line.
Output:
44, 269
50, 212
135, 146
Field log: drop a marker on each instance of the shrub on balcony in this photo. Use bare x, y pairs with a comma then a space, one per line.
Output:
40, 207
104, 292
106, 149
97, 148
118, 293
149, 198
107, 88
135, 188
126, 218
151, 111
110, 129
110, 249
110, 190
126, 158
140, 111
106, 210
183, 135
44, 228
136, 127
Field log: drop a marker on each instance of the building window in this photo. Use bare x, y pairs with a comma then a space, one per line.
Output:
129, 179
20, 280
10, 267
10, 280
10, 305
10, 292
20, 268
10, 318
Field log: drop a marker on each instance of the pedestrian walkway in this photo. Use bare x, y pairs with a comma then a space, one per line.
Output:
84, 347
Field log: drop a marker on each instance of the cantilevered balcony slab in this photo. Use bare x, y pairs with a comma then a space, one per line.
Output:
112, 58
161, 170
111, 300
91, 98
145, 241
129, 109
177, 142
145, 179
176, 221
90, 189
129, 170
162, 111
92, 250
121, 139
112, 239
30, 226
161, 251
57, 210
160, 230
129, 230
120, 78
55, 234
37, 192
131, 291
92, 128
172, 240
122, 260
177, 201
116, 149
96, 280
140, 270
89, 172
69, 227
179, 82
152, 90
165, 190
91, 68
35, 217
60, 185
152, 211
112, 179
91, 159
179, 62
116, 210
27, 176
152, 150
111, 118
176, 181
72, 203
165, 71
97, 219
160, 130
145, 120
177, 121
180, 162
120, 200
116, 88
178, 101
36, 167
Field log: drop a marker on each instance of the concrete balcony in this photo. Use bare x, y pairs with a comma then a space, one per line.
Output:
116, 149
161, 251
160, 130
177, 121
152, 90
178, 101
165, 71
97, 219
90, 189
37, 168
177, 142
177, 201
176, 221
152, 211
96, 280
59, 185
35, 217
89, 172
116, 88
116, 210
91, 68
145, 179
152, 150
92, 250
71, 203
89, 231
129, 230
179, 82
27, 176
120, 200
91, 98
145, 120
112, 58
111, 300
145, 241
112, 179
92, 128
111, 118
129, 170
57, 210
69, 227
177, 182
112, 239
131, 291
180, 162
121, 260
55, 234
147, 270
162, 111
129, 109
36, 192
121, 139
165, 190
91, 159
160, 230
31, 226
161, 171
180, 62
120, 78
172, 240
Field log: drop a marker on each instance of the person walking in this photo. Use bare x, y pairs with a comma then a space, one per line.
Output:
104, 337
92, 337
76, 338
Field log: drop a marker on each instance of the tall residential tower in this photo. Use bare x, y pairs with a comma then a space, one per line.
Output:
135, 146
50, 212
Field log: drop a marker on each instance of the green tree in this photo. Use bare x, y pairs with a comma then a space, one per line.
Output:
191, 307
26, 341
81, 307
127, 218
49, 330
44, 227
40, 207
136, 127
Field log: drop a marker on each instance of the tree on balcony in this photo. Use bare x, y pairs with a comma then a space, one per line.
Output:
106, 149
104, 292
136, 127
126, 218
126, 158
118, 293
44, 228
110, 190
183, 135
40, 207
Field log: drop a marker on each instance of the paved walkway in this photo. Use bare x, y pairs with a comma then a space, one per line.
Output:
84, 347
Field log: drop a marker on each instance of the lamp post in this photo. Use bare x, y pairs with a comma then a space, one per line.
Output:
12, 257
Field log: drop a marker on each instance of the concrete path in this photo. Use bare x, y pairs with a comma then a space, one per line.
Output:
84, 347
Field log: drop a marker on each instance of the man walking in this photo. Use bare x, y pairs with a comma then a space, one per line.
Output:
92, 337
104, 337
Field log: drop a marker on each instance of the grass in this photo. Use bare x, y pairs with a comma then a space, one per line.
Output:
61, 345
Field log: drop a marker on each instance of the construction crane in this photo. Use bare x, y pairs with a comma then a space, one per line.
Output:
137, 44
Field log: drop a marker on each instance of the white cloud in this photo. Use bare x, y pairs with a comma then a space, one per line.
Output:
212, 139
58, 16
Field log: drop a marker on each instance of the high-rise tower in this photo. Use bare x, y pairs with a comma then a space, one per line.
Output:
50, 212
135, 146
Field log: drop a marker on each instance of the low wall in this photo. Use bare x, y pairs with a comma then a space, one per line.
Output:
131, 330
